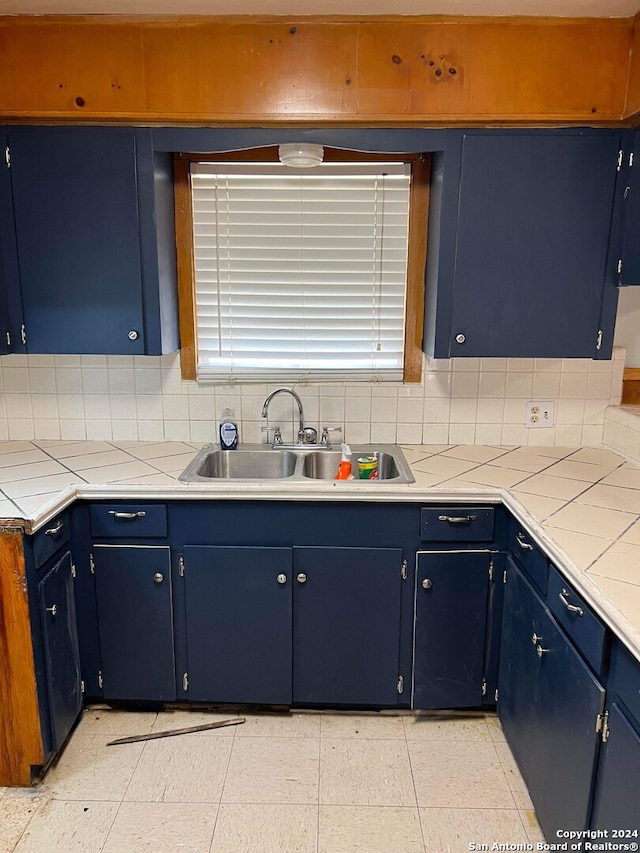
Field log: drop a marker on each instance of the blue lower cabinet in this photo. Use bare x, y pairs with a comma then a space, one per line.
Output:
452, 590
60, 638
617, 796
135, 622
238, 624
549, 705
346, 626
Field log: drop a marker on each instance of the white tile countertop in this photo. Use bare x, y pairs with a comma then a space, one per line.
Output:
581, 505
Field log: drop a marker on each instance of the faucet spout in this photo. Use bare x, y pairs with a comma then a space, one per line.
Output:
265, 408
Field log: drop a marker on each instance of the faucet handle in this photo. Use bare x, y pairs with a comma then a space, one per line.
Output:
277, 435
324, 439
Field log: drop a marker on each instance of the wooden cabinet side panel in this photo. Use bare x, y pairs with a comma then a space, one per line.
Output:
20, 735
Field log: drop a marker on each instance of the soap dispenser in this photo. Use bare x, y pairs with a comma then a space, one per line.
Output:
228, 430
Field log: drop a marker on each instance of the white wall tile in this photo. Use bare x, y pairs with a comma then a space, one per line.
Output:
463, 433
573, 384
492, 384
519, 385
460, 400
71, 406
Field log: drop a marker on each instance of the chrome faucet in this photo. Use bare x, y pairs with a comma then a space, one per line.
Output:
306, 435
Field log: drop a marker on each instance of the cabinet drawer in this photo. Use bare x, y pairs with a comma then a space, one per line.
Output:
577, 619
456, 524
625, 679
50, 538
530, 558
128, 520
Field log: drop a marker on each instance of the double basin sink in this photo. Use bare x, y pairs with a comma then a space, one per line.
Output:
303, 462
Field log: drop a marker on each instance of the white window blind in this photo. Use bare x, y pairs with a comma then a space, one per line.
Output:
300, 273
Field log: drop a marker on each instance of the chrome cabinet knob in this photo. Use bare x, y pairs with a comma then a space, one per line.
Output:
52, 610
301, 578
535, 639
282, 578
426, 584
158, 577
540, 651
133, 335
460, 339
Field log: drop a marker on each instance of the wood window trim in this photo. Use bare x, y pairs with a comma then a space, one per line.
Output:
416, 257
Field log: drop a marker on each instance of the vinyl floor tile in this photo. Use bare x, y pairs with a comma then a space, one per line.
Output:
186, 769
457, 775
515, 781
72, 826
162, 828
336, 783
262, 828
280, 725
365, 772
442, 727
17, 808
453, 830
86, 765
354, 829
272, 770
353, 726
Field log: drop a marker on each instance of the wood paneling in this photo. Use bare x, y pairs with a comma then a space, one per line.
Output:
511, 70
415, 71
20, 738
631, 386
632, 106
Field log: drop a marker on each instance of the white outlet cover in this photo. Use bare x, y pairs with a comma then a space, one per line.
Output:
539, 415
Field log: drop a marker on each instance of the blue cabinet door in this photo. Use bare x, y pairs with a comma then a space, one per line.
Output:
346, 626
528, 275
452, 592
617, 796
549, 703
62, 656
238, 624
10, 299
135, 622
75, 199
630, 268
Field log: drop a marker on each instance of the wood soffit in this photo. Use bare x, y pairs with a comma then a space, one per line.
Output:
340, 71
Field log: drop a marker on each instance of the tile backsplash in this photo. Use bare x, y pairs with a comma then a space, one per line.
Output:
459, 401
622, 431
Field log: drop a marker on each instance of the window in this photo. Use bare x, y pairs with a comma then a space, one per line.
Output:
301, 274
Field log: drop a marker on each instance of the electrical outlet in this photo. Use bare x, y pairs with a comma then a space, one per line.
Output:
539, 415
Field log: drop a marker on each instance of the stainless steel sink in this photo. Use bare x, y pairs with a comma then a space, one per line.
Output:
240, 465
256, 462
323, 465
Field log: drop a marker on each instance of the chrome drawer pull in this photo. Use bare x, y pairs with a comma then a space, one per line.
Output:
116, 514
572, 607
526, 546
53, 531
457, 519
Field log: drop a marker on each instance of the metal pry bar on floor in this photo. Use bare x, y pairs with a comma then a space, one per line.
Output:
236, 721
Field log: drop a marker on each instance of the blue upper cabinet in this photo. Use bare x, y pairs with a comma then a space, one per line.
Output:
629, 261
10, 300
89, 242
519, 259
